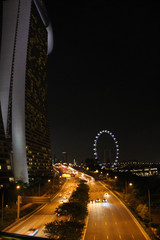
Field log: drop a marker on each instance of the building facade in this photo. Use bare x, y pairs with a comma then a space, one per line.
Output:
27, 40
6, 175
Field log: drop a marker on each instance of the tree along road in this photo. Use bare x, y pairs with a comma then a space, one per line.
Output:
110, 220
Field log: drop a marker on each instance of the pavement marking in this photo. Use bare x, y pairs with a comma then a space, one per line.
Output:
132, 236
107, 237
120, 236
85, 229
106, 223
95, 223
94, 237
133, 218
115, 223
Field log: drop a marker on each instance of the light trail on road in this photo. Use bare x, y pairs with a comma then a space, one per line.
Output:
110, 220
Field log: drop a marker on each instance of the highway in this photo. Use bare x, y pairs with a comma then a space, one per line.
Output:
46, 213
110, 220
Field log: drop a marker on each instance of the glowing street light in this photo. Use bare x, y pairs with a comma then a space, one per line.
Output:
130, 184
18, 202
18, 187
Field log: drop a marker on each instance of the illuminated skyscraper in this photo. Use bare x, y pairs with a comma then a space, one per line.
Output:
27, 40
6, 175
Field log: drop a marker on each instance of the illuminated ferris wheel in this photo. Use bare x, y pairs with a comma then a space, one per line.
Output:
115, 141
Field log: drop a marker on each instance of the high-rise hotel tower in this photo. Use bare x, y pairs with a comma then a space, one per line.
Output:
27, 40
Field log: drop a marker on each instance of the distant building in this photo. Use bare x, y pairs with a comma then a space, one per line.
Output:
26, 42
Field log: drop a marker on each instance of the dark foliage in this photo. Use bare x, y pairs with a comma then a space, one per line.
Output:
76, 210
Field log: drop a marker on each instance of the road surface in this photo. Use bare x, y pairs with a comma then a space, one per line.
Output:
110, 220
47, 213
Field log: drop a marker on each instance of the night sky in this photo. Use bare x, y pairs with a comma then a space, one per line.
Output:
104, 74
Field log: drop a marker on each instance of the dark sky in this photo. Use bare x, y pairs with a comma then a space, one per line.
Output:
104, 74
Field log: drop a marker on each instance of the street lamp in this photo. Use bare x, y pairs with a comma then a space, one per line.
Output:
18, 187
115, 181
1, 186
18, 201
130, 184
149, 205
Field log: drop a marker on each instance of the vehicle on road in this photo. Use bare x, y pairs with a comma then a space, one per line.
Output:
31, 232
65, 199
97, 200
104, 200
91, 201
58, 213
61, 202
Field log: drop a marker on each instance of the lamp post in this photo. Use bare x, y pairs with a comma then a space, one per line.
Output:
115, 181
130, 184
18, 202
1, 186
149, 205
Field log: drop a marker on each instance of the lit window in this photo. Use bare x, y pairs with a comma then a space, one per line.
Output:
9, 167
11, 179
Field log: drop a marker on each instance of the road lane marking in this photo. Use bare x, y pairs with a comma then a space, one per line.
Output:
85, 229
95, 223
106, 223
107, 237
94, 237
131, 215
132, 236
120, 236
115, 223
